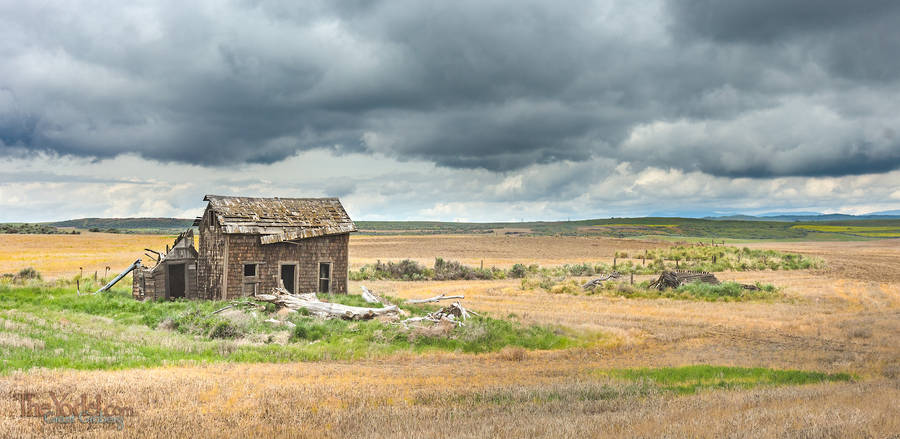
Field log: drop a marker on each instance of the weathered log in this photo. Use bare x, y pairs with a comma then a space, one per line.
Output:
368, 296
381, 300
324, 309
437, 298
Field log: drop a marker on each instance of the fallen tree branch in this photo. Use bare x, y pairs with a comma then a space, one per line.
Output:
378, 299
594, 283
222, 309
236, 303
437, 298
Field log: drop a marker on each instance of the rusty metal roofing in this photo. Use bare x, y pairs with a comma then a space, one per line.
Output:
280, 219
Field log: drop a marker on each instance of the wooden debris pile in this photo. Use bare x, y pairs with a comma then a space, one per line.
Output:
453, 313
594, 283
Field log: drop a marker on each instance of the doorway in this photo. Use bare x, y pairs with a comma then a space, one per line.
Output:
175, 280
288, 277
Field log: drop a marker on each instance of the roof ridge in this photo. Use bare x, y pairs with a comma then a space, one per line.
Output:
207, 196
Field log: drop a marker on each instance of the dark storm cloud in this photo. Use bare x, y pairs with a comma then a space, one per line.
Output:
857, 40
767, 21
491, 85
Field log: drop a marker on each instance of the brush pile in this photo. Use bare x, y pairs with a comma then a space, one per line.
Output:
675, 279
453, 313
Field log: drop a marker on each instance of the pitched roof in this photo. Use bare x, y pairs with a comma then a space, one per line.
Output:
280, 219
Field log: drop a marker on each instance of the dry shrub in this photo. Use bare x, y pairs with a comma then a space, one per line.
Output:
168, 324
891, 371
439, 329
569, 287
20, 341
860, 332
513, 353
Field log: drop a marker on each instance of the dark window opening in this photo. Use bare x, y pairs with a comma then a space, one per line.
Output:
324, 277
287, 277
249, 270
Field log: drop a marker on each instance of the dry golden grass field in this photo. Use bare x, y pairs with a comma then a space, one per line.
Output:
843, 318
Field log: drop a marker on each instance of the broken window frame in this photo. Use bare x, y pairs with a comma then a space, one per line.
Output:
327, 279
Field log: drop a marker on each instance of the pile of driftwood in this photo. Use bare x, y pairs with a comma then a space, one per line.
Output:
454, 313
283, 299
594, 283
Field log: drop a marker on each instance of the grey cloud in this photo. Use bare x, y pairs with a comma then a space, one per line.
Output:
472, 85
767, 21
855, 40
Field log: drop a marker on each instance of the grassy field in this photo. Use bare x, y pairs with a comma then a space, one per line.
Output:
819, 360
52, 327
659, 228
888, 231
68, 255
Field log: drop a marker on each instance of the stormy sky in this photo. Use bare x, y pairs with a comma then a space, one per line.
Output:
504, 110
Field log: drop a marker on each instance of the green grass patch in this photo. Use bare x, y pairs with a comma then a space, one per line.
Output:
892, 231
723, 292
623, 384
52, 327
658, 228
688, 380
479, 334
828, 228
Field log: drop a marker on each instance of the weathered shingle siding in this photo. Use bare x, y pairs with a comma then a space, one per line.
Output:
211, 262
159, 282
216, 269
306, 253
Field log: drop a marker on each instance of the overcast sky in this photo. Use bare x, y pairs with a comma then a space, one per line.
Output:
462, 110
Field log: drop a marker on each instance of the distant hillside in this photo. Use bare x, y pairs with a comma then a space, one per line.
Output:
142, 225
32, 229
813, 217
658, 227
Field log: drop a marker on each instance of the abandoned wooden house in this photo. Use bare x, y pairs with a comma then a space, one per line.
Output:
250, 245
